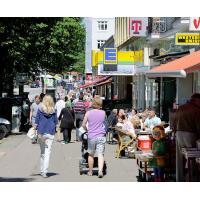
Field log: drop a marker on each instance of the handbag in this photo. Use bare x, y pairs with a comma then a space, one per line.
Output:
32, 133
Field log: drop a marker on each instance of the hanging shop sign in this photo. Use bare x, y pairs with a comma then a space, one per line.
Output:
138, 26
113, 62
194, 23
187, 39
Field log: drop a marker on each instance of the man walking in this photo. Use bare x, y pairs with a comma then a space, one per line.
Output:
60, 104
79, 110
187, 129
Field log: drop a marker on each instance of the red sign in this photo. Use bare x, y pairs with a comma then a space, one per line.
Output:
195, 24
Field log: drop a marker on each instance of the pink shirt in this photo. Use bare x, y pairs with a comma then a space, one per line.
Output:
95, 123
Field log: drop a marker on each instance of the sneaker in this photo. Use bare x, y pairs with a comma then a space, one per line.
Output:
64, 142
100, 175
44, 175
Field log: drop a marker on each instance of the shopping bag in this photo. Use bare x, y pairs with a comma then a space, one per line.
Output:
32, 133
81, 131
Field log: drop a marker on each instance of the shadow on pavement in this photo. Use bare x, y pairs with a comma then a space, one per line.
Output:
8, 179
49, 174
52, 174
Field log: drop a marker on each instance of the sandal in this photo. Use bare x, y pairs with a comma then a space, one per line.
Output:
89, 173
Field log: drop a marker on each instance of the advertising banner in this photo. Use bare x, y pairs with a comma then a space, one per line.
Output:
187, 39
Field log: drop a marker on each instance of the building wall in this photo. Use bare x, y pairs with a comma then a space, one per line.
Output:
121, 30
184, 88
93, 34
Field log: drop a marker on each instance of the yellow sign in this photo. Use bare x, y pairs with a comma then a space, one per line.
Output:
110, 56
123, 57
187, 39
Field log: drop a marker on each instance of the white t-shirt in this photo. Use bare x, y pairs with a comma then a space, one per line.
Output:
60, 104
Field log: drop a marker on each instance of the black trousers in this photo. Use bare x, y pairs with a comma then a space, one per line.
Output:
67, 135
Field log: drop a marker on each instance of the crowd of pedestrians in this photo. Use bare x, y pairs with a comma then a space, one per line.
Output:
73, 112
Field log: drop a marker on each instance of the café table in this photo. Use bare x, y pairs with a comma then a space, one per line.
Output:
142, 159
190, 154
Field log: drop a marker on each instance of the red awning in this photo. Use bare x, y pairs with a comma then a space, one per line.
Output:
177, 68
87, 85
104, 82
95, 82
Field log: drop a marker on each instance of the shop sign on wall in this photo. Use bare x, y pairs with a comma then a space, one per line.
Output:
187, 39
194, 23
138, 26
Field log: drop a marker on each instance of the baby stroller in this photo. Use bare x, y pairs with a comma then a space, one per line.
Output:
83, 162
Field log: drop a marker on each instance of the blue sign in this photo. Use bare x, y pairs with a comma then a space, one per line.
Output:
110, 56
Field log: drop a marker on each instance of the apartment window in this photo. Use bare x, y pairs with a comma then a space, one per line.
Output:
100, 43
102, 25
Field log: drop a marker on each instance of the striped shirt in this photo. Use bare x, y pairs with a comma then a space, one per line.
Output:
80, 107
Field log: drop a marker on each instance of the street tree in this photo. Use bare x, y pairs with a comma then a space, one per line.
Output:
32, 44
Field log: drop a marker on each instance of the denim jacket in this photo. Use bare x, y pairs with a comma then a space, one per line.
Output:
46, 123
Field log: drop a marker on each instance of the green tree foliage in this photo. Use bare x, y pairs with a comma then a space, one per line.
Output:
32, 44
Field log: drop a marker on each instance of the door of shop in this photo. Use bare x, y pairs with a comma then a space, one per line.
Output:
169, 95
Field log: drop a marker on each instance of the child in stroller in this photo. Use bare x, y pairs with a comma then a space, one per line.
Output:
83, 162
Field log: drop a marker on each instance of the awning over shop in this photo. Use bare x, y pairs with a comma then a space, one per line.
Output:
87, 85
95, 82
105, 82
177, 68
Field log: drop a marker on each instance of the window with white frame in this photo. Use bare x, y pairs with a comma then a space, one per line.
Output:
102, 25
100, 43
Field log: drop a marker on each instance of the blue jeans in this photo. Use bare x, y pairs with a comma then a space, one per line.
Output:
159, 172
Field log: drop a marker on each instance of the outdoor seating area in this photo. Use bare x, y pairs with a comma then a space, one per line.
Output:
133, 134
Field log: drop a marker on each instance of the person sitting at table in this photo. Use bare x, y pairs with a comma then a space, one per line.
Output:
120, 115
129, 128
152, 120
133, 117
112, 121
126, 126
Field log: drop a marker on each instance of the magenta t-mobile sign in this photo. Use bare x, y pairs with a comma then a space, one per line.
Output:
138, 26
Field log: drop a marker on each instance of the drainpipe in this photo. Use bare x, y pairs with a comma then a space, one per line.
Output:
161, 96
177, 91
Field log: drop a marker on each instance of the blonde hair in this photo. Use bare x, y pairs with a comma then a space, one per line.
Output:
48, 104
97, 103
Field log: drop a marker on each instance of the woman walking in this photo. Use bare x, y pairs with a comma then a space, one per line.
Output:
67, 123
46, 121
96, 135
